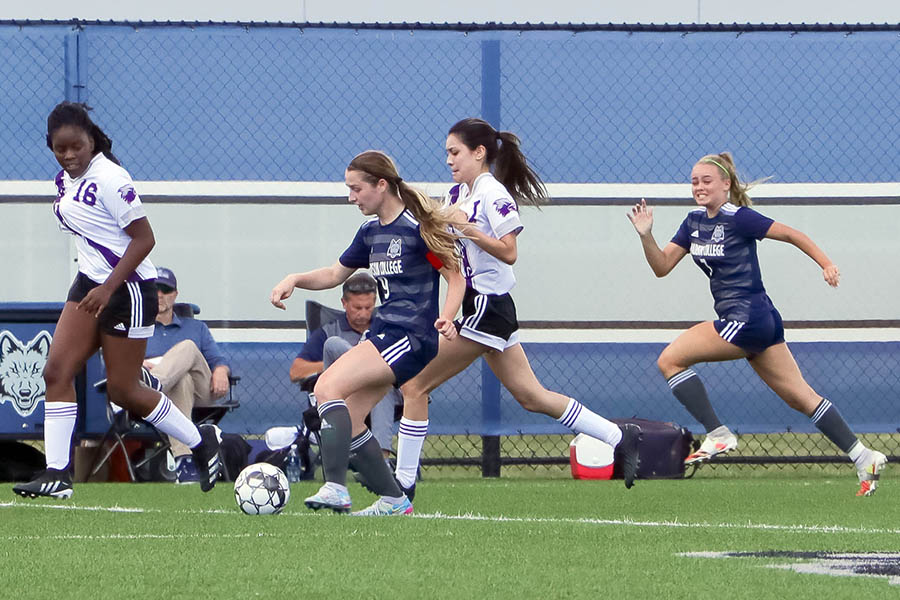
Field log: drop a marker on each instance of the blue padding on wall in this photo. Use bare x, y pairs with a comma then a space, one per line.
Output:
615, 380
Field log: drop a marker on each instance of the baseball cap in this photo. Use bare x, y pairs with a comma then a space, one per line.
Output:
166, 277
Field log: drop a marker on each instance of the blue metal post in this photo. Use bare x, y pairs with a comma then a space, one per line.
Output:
490, 385
75, 67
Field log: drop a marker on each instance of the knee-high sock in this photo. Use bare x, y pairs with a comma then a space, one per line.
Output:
59, 423
334, 440
171, 421
580, 419
830, 422
410, 440
690, 391
366, 457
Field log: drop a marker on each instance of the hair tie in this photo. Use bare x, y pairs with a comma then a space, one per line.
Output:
399, 181
718, 164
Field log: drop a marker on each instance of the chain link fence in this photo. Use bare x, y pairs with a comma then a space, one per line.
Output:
194, 102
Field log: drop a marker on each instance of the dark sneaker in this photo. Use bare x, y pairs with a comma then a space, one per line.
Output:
186, 471
206, 456
53, 483
629, 448
150, 380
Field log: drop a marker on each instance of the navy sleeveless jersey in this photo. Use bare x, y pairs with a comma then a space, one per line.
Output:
408, 282
724, 247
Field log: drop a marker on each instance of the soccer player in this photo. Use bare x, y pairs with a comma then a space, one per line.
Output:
111, 305
405, 245
721, 237
487, 218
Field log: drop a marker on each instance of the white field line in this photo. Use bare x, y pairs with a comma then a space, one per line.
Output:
798, 528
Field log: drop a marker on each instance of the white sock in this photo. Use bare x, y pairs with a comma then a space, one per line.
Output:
580, 419
410, 440
167, 418
59, 423
859, 454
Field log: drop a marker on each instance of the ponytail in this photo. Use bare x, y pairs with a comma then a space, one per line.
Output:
503, 152
434, 221
737, 191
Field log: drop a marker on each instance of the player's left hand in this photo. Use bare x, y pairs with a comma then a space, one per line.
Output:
832, 275
446, 328
95, 300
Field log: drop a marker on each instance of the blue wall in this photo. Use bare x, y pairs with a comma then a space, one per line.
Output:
227, 102
615, 380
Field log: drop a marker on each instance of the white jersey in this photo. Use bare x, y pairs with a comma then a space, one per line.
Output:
494, 212
96, 208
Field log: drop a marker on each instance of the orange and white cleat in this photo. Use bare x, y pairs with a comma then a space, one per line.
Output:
712, 446
870, 473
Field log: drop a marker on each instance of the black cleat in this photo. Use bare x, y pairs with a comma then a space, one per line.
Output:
206, 456
629, 447
52, 483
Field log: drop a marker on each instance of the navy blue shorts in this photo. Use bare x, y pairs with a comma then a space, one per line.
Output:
131, 311
762, 330
404, 353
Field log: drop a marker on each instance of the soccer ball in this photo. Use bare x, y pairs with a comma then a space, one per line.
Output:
261, 489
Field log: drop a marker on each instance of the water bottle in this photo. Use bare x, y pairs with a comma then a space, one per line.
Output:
292, 465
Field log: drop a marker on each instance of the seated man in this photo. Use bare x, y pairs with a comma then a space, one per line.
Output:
324, 345
183, 355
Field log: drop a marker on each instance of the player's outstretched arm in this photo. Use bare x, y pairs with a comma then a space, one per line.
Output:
661, 261
317, 279
783, 233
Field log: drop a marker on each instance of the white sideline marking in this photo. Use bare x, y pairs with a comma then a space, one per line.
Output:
468, 517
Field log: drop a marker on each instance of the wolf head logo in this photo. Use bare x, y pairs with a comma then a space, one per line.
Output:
394, 250
21, 366
718, 234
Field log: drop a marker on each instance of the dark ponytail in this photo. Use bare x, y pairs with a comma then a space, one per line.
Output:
76, 114
503, 152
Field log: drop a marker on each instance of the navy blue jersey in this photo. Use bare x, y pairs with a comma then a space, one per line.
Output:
406, 272
724, 247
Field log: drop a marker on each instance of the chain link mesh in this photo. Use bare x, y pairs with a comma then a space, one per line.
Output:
197, 102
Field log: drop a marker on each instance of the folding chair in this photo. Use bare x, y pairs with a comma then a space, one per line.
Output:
124, 426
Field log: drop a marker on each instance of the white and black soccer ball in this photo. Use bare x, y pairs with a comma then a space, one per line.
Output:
261, 489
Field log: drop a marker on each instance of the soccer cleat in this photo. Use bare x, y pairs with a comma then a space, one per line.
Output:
328, 497
53, 483
383, 508
712, 447
870, 473
409, 491
629, 447
206, 456
186, 471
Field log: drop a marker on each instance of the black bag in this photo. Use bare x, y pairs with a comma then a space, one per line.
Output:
19, 461
663, 448
234, 451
